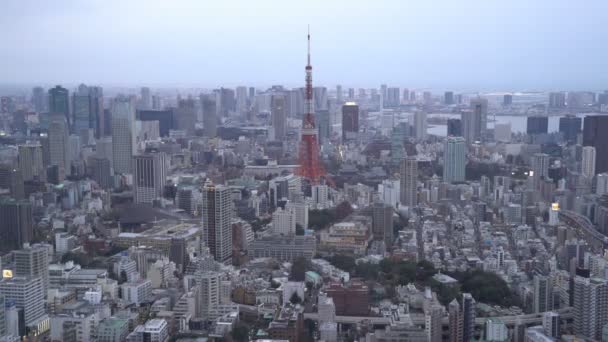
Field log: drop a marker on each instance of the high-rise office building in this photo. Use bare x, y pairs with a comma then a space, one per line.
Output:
241, 100
420, 124
552, 324
123, 134
3, 324
227, 101
408, 182
588, 162
339, 94
58, 144
97, 119
27, 294
455, 127
322, 119
462, 319
537, 125
570, 127
471, 126
185, 116
102, 172
32, 261
30, 162
209, 102
502, 132
279, 116
320, 98
479, 105
149, 176
16, 223
543, 293
382, 223
81, 110
217, 213
557, 100
594, 134
540, 168
59, 102
590, 306
507, 100
146, 98
392, 100
284, 222
448, 98
209, 293
351, 94
12, 180
454, 160
165, 119
39, 100
350, 121
468, 317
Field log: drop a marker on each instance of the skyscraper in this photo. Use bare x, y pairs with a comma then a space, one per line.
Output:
540, 168
588, 162
339, 94
468, 317
149, 175
146, 98
557, 100
471, 126
382, 223
323, 123
32, 261
454, 157
59, 102
97, 119
39, 100
123, 133
28, 295
58, 143
16, 223
12, 179
241, 100
462, 319
227, 103
409, 180
217, 213
590, 306
185, 116
279, 116
507, 100
570, 127
350, 121
209, 115
537, 125
448, 97
594, 134
165, 118
393, 99
455, 127
543, 293
30, 162
284, 221
81, 110
420, 124
479, 106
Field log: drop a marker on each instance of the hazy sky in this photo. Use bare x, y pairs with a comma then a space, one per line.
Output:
485, 44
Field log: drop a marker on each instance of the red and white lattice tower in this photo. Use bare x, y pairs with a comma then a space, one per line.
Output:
310, 166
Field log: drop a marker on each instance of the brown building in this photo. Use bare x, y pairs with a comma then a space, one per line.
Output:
288, 324
351, 299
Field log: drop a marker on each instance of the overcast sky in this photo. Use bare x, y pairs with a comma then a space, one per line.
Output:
469, 44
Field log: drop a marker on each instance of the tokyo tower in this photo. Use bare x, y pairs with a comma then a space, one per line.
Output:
310, 166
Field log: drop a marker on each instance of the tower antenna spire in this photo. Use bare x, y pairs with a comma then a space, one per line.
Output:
308, 44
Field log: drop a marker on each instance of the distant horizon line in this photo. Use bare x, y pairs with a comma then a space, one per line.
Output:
168, 86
